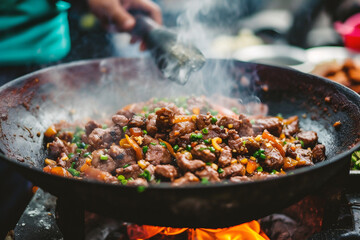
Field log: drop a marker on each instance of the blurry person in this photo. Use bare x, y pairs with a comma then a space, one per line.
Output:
309, 10
34, 33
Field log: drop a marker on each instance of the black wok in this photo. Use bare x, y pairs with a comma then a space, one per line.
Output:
98, 88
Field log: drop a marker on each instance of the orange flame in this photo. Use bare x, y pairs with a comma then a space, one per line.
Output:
245, 231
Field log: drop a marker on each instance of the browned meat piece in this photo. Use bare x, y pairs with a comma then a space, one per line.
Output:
120, 120
236, 169
229, 122
202, 121
147, 140
225, 157
209, 173
128, 114
240, 179
104, 165
90, 126
131, 171
309, 138
188, 165
292, 128
245, 129
235, 142
273, 160
137, 182
103, 138
242, 145
182, 128
318, 153
56, 147
164, 119
157, 154
303, 156
150, 169
122, 156
166, 171
181, 141
202, 152
187, 178
272, 124
215, 131
151, 124
66, 136
137, 121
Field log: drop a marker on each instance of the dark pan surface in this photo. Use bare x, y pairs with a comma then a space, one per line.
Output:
98, 88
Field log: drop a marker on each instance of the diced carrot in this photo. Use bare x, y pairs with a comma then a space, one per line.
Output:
196, 111
135, 132
251, 166
181, 118
135, 146
271, 138
60, 171
51, 131
34, 189
47, 169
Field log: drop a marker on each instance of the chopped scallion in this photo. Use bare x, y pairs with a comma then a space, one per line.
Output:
205, 131
207, 141
213, 120
154, 144
125, 128
259, 169
121, 177
188, 147
302, 143
87, 154
145, 149
145, 132
126, 165
208, 163
71, 155
204, 180
212, 149
162, 144
176, 147
104, 157
220, 170
74, 172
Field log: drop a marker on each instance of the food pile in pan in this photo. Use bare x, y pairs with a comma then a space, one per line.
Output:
180, 141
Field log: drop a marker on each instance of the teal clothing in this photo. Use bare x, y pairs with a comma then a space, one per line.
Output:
33, 31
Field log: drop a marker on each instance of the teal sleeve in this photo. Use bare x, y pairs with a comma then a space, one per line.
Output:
33, 31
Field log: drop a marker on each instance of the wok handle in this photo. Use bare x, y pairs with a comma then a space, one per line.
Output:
144, 25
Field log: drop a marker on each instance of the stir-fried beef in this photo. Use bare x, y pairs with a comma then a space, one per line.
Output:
137, 121
120, 120
202, 152
309, 138
318, 153
272, 124
151, 124
132, 171
236, 169
209, 173
90, 126
166, 171
158, 154
188, 164
246, 128
103, 161
122, 156
225, 157
292, 128
188, 141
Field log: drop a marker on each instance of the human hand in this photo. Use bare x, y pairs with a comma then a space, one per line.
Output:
115, 13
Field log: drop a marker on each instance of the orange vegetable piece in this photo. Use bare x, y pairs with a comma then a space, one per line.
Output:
215, 142
60, 171
169, 147
135, 146
290, 120
136, 132
196, 111
181, 118
271, 138
124, 143
251, 166
51, 131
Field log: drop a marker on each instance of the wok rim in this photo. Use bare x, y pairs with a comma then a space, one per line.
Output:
168, 186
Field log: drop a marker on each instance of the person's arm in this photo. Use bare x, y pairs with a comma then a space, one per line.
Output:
116, 12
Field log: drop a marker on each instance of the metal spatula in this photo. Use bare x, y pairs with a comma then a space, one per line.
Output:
176, 60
